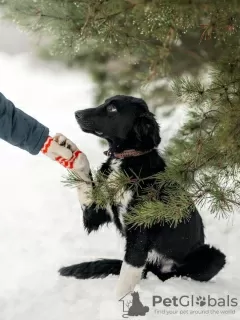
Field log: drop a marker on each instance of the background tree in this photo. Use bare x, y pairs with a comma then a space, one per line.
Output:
130, 45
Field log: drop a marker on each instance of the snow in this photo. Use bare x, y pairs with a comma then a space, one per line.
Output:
41, 225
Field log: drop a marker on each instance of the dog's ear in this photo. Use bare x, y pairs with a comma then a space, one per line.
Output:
146, 129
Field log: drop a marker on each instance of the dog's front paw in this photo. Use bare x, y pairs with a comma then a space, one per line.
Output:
122, 289
79, 161
121, 293
81, 167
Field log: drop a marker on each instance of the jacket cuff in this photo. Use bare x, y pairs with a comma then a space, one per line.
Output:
41, 142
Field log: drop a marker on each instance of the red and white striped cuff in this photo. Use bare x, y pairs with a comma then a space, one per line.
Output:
68, 163
47, 145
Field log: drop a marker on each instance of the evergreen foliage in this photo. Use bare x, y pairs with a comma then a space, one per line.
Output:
130, 44
126, 44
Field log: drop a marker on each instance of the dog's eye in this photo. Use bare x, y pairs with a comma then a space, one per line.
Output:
111, 108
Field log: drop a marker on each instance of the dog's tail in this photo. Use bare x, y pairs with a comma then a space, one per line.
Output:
92, 270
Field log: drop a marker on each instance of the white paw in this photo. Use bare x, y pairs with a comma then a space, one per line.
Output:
82, 167
129, 277
120, 294
65, 142
137, 288
122, 290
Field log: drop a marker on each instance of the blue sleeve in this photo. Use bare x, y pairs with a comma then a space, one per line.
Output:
19, 129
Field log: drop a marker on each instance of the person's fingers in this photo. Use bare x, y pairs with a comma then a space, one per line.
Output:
69, 164
60, 138
62, 151
70, 145
64, 141
73, 159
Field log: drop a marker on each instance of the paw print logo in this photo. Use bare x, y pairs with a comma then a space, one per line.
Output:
201, 301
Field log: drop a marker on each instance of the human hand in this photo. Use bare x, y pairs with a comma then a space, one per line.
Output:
78, 162
55, 151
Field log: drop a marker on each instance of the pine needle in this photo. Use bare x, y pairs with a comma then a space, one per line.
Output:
72, 179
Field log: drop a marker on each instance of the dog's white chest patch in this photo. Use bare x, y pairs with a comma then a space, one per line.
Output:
123, 198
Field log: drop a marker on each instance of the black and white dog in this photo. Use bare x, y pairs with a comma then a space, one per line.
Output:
133, 136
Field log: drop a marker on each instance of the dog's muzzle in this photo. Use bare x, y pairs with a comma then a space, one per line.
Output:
84, 121
87, 124
79, 115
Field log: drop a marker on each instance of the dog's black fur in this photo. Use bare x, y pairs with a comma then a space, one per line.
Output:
126, 123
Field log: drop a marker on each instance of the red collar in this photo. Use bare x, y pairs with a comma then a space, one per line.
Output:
126, 153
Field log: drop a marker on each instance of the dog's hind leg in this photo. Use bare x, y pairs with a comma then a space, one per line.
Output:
202, 264
156, 270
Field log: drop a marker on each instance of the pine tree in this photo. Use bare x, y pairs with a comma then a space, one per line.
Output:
126, 44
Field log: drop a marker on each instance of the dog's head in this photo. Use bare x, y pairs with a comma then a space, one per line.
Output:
124, 121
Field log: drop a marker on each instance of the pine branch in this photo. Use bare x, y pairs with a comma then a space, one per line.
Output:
178, 37
72, 179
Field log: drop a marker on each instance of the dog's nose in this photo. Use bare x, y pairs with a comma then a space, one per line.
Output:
79, 115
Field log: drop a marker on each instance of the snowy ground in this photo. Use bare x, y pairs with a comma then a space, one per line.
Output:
41, 225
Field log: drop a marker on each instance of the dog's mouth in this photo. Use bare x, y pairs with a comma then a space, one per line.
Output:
88, 130
87, 126
99, 133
